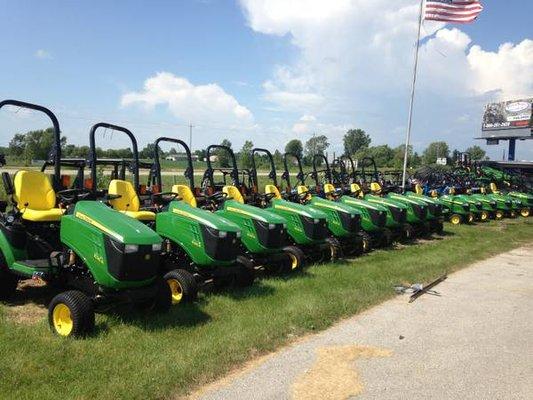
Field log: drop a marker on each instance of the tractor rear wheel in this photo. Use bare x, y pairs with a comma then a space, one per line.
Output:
71, 314
524, 212
183, 286
245, 275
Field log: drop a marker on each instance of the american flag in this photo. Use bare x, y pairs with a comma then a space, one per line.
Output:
457, 11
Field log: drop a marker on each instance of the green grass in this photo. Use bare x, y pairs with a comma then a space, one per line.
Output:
155, 357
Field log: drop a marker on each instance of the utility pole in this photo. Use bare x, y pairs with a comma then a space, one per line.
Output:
190, 136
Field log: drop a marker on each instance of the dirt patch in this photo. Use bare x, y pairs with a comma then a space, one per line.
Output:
333, 376
26, 314
28, 306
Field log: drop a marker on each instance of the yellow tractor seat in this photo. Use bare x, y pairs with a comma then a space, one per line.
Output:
273, 189
233, 193
356, 189
128, 202
418, 189
329, 190
185, 193
303, 189
375, 187
494, 188
35, 197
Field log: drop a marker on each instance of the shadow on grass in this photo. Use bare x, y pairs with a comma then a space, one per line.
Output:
186, 315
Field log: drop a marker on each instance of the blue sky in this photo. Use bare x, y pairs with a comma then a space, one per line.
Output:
260, 70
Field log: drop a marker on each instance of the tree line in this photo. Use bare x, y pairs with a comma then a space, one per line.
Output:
35, 145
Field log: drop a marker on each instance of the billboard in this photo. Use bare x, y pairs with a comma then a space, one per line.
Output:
513, 114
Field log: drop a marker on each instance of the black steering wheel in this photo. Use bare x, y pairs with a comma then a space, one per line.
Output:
71, 196
166, 197
266, 197
217, 197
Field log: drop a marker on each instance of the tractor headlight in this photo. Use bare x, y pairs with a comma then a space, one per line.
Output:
238, 234
131, 248
271, 226
316, 220
222, 234
284, 226
156, 247
352, 216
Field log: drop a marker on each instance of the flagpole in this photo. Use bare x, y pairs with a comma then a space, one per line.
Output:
411, 102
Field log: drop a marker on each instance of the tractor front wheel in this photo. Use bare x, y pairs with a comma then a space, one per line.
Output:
524, 212
455, 219
245, 275
295, 259
71, 314
498, 214
183, 286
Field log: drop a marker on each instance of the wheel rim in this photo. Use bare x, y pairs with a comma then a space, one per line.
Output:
332, 252
294, 261
455, 220
62, 318
365, 245
470, 218
499, 215
484, 216
524, 212
176, 290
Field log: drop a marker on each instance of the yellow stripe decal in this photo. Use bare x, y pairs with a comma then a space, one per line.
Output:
249, 214
97, 224
192, 216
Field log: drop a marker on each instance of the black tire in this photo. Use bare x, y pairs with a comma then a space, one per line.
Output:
439, 227
408, 233
8, 281
366, 241
334, 250
183, 287
163, 298
295, 259
245, 275
71, 314
386, 238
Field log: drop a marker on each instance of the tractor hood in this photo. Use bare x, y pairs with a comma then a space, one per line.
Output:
296, 208
257, 213
332, 205
203, 217
363, 203
120, 227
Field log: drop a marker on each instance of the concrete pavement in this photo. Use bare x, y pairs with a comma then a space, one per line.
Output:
475, 341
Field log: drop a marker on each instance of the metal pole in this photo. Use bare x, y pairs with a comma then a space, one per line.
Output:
190, 136
411, 102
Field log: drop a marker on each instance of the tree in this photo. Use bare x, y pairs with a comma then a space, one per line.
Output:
476, 152
222, 155
201, 154
436, 150
295, 146
35, 144
315, 145
245, 155
148, 151
355, 140
17, 145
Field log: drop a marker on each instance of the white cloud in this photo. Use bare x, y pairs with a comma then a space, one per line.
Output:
509, 71
200, 104
43, 54
354, 65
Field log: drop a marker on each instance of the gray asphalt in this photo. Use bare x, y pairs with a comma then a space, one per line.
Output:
475, 341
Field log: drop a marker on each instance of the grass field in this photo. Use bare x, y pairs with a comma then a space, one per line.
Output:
147, 357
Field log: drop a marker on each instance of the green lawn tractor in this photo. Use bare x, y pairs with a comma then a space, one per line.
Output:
199, 248
346, 182
373, 216
307, 227
264, 233
459, 209
418, 215
521, 202
95, 257
344, 222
